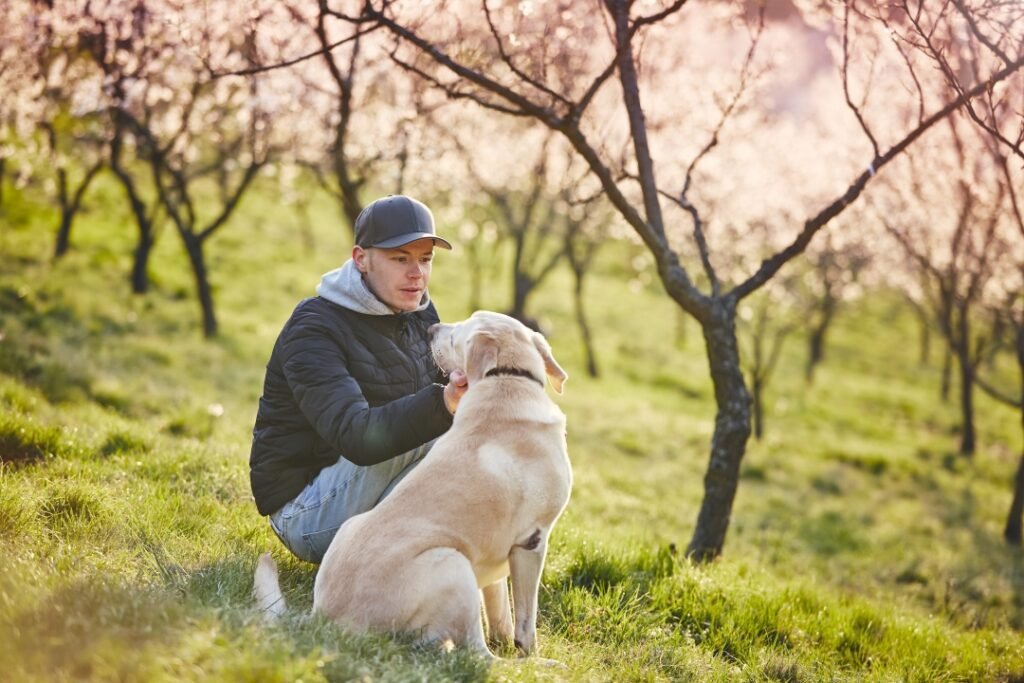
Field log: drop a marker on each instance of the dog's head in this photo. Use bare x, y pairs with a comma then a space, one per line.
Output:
489, 341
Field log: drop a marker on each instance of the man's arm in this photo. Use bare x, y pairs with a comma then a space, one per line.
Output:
333, 402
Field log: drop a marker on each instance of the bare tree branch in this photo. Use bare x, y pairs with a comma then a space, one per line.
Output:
507, 59
673, 274
997, 394
454, 93
683, 200
576, 111
947, 70
619, 9
524, 105
969, 18
846, 79
640, 22
263, 68
772, 265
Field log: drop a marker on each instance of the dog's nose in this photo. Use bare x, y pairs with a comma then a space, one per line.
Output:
432, 331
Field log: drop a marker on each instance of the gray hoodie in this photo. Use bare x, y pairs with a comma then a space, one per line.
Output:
345, 286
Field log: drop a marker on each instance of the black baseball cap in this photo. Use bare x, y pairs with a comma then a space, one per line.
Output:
392, 221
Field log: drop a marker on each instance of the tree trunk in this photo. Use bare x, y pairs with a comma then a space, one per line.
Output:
816, 342
1013, 531
1015, 520
757, 388
69, 206
967, 439
520, 290
196, 257
351, 207
815, 351
143, 248
947, 373
581, 321
963, 353
925, 343
523, 286
140, 262
63, 232
732, 430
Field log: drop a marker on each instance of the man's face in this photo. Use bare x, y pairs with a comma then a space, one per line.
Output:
399, 276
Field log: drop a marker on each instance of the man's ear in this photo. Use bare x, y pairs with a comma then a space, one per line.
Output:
361, 257
481, 355
556, 375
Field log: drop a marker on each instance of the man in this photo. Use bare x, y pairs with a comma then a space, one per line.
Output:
352, 399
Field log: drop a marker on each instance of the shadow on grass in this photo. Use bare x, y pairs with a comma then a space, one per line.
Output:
89, 623
985, 587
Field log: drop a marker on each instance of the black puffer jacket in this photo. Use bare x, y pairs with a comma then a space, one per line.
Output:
342, 383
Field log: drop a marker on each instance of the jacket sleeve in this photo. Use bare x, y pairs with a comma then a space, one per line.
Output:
316, 370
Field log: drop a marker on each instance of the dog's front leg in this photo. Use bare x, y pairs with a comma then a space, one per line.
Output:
499, 613
526, 561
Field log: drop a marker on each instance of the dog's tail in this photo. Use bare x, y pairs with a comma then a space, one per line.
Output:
266, 588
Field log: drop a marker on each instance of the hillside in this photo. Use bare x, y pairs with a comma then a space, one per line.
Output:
862, 546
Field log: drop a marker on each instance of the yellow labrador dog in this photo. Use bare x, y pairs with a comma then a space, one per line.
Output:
478, 509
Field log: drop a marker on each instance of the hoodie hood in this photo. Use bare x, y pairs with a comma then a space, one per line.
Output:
345, 286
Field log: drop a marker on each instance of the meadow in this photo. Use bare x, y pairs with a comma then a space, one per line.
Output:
862, 546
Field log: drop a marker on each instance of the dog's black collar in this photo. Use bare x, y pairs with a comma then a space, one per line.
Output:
515, 372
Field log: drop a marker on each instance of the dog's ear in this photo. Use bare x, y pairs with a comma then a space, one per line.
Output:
481, 355
556, 375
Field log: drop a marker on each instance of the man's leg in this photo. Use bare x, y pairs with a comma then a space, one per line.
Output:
307, 524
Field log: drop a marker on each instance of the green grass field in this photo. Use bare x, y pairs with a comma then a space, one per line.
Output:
862, 547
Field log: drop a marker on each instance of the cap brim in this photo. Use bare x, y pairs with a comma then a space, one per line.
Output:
402, 240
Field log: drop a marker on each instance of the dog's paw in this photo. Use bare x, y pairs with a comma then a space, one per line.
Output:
501, 635
526, 644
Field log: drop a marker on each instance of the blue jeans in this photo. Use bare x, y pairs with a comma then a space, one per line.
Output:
307, 523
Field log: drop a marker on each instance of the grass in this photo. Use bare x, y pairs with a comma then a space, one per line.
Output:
862, 547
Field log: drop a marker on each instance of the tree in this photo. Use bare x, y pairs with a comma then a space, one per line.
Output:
837, 264
953, 230
219, 131
116, 38
1006, 303
553, 66
766, 321
69, 134
590, 225
357, 120
1013, 531
51, 87
20, 103
524, 205
201, 141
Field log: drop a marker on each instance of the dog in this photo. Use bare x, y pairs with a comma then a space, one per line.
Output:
477, 510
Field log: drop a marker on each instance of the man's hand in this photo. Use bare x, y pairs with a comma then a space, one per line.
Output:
453, 391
